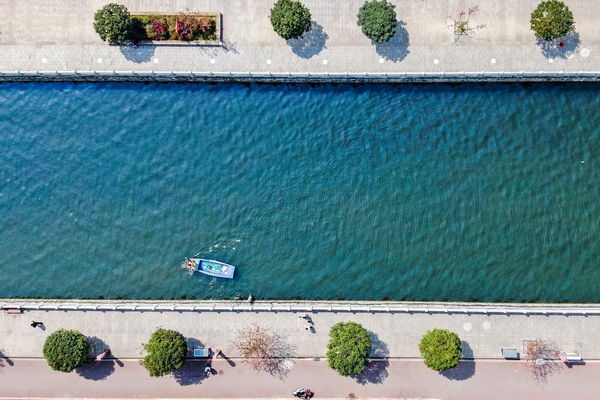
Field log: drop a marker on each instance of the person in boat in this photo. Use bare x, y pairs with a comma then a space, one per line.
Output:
191, 264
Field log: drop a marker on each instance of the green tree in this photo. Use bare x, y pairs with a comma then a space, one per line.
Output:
167, 350
552, 19
66, 350
378, 20
113, 23
440, 349
290, 19
348, 348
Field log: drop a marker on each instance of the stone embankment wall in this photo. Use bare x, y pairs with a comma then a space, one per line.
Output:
309, 78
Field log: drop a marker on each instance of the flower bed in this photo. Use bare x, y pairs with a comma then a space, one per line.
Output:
182, 28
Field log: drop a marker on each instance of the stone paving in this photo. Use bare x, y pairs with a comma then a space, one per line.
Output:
396, 334
49, 35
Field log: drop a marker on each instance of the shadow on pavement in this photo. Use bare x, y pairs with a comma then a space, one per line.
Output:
396, 49
97, 345
379, 349
137, 54
192, 373
311, 43
572, 364
465, 369
4, 358
375, 372
229, 360
552, 49
96, 370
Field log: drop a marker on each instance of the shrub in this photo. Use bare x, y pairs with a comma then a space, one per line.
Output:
552, 19
378, 20
184, 26
348, 348
66, 350
113, 23
440, 349
167, 350
290, 19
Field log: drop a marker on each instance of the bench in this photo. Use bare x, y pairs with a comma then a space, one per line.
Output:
510, 354
201, 352
13, 310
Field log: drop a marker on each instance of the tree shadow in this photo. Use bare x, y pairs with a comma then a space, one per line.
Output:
138, 54
193, 343
311, 43
463, 370
379, 349
283, 357
191, 373
375, 371
97, 370
228, 46
552, 49
395, 49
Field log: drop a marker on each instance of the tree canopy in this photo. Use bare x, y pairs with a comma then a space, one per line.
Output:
113, 23
290, 19
66, 350
440, 349
348, 348
167, 350
551, 20
378, 20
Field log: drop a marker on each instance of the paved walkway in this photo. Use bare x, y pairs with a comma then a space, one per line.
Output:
397, 370
48, 35
396, 334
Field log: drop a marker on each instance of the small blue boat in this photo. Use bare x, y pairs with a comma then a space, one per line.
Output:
211, 267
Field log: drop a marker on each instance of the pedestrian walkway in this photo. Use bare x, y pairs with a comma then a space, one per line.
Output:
396, 371
58, 35
123, 326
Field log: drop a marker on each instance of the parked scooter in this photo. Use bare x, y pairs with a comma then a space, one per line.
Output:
303, 393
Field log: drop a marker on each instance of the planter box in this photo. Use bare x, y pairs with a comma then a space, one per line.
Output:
215, 42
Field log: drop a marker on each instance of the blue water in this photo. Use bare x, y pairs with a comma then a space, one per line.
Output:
472, 192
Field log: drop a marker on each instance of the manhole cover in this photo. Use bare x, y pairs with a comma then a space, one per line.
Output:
585, 53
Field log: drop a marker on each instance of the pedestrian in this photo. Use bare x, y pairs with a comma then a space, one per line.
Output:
35, 324
561, 45
207, 370
305, 316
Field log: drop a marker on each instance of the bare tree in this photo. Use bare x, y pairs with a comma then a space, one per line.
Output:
264, 350
541, 358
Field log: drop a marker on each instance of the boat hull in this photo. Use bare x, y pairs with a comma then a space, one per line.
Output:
214, 268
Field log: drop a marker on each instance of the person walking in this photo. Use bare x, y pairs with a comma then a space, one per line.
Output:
35, 324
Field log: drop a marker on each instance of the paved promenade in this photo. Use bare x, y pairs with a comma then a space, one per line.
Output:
398, 371
57, 35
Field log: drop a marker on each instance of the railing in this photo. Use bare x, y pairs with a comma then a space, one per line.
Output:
263, 306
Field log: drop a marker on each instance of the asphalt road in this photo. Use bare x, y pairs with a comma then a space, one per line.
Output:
487, 379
